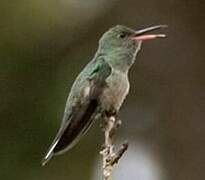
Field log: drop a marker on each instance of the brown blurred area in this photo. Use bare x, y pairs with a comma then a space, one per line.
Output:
44, 45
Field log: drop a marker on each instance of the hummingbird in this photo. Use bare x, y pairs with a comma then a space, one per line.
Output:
102, 86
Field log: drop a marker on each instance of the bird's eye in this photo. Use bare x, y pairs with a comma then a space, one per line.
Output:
122, 35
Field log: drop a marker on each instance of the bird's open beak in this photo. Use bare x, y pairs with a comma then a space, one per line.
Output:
141, 35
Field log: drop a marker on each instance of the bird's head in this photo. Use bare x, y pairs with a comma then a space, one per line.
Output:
124, 43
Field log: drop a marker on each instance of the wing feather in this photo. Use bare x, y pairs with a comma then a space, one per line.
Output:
80, 117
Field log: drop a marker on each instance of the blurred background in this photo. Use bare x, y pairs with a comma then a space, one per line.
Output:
45, 44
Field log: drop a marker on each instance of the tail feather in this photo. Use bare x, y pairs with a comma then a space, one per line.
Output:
49, 154
69, 134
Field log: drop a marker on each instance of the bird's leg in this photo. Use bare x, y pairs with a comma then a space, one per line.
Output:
110, 157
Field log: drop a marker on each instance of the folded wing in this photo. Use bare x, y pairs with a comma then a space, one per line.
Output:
81, 115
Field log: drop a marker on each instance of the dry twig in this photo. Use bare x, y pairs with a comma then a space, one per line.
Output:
110, 157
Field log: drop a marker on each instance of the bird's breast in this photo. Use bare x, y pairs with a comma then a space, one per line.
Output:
116, 91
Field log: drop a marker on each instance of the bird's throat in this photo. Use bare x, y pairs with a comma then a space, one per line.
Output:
122, 61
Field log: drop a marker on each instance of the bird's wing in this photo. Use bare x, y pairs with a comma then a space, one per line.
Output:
77, 122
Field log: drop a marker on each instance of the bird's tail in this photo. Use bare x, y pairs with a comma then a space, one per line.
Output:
49, 154
71, 131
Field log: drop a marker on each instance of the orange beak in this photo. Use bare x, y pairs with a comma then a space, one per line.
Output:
141, 35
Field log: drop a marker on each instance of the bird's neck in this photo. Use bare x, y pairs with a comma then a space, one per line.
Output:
118, 58
120, 61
